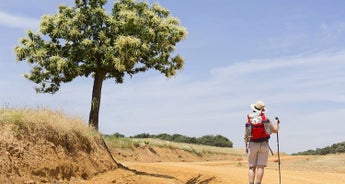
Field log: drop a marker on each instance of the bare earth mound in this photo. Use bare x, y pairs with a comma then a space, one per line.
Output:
37, 150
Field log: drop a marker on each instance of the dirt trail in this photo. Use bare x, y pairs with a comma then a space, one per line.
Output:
223, 172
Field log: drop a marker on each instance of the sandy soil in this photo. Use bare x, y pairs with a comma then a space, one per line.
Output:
294, 170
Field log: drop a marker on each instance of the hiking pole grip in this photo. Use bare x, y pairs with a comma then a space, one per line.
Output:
277, 119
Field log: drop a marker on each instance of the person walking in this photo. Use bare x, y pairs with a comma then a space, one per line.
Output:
257, 133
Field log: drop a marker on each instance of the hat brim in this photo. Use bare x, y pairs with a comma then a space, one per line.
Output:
257, 110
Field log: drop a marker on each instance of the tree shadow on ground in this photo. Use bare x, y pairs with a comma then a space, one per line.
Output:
196, 180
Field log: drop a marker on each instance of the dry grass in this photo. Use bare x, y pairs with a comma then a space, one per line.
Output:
199, 149
193, 148
40, 144
55, 126
36, 119
324, 163
121, 142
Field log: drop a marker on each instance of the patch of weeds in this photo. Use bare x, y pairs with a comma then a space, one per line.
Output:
191, 150
11, 116
17, 131
196, 152
121, 142
136, 144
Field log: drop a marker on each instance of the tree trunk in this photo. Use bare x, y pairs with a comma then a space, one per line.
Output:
96, 99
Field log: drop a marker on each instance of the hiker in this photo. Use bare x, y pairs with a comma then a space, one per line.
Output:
257, 134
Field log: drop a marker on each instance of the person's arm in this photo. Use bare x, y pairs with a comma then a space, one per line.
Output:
246, 142
275, 128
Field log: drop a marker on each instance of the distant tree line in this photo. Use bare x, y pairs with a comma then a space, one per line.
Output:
335, 148
210, 140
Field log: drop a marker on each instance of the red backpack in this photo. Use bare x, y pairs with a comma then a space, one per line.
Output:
255, 128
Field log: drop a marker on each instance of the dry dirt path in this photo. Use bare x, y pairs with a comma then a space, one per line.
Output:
216, 172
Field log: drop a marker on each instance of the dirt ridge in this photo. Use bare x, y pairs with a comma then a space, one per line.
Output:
49, 157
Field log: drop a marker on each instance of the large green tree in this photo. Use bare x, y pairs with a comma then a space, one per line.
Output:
85, 40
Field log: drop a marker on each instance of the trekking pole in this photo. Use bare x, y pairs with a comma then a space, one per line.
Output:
278, 153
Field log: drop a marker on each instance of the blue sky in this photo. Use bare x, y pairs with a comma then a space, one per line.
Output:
289, 54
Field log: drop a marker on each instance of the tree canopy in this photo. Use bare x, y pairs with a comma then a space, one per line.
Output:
85, 40
334, 148
211, 140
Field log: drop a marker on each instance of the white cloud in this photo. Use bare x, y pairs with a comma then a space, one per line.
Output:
286, 42
317, 74
16, 21
333, 30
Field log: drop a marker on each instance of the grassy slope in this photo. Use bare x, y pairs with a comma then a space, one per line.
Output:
43, 146
153, 150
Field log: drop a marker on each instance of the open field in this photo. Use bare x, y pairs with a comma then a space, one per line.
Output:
294, 169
